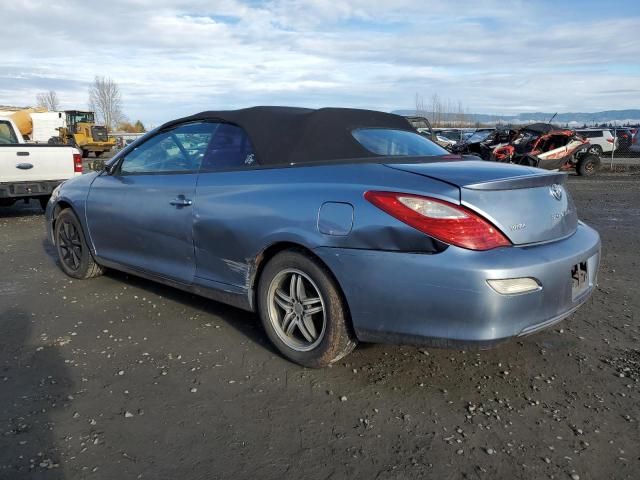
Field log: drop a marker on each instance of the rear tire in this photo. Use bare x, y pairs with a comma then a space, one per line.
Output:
588, 165
75, 257
303, 311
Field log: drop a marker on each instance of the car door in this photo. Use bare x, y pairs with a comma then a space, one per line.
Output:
141, 215
227, 208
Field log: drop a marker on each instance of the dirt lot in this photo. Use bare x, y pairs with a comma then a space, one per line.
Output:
118, 377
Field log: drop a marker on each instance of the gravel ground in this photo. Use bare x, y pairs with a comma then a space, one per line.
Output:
118, 377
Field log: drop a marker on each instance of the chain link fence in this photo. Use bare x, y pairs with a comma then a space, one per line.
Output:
627, 146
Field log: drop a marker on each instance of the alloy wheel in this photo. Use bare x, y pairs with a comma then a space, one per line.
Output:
296, 310
70, 245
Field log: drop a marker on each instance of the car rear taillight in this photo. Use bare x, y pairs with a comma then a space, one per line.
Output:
610, 140
77, 163
442, 220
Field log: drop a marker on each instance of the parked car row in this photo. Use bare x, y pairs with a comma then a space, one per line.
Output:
540, 145
603, 140
635, 142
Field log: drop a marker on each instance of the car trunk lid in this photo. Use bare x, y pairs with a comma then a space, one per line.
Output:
527, 204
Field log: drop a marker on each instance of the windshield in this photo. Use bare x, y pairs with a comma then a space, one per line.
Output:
77, 117
388, 142
454, 135
479, 136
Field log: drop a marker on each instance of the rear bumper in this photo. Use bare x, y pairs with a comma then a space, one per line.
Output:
28, 189
444, 299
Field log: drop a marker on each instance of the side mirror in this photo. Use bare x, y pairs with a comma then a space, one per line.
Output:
109, 168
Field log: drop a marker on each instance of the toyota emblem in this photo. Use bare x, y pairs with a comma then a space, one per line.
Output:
556, 191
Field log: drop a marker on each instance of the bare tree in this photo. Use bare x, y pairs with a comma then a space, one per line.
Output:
48, 100
106, 101
421, 108
436, 110
443, 112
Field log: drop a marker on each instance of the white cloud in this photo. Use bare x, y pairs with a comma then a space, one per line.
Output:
177, 57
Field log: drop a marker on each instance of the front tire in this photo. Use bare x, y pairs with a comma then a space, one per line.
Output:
302, 310
588, 165
75, 257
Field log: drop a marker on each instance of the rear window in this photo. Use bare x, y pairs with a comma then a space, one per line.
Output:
7, 135
388, 142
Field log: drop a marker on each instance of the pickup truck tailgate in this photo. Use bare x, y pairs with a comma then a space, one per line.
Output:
37, 162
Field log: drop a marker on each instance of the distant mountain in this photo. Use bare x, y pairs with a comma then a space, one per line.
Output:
614, 117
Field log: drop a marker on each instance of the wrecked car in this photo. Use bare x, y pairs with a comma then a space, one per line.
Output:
544, 146
483, 141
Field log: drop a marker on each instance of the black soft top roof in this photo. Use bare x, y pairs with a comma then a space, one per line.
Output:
286, 135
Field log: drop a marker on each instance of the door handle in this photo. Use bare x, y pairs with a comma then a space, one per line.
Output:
181, 201
22, 154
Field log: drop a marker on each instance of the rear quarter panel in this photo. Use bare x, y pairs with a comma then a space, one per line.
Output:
239, 214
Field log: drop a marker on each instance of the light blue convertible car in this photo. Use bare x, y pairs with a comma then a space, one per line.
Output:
336, 226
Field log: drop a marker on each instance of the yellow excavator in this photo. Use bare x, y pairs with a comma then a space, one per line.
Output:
82, 132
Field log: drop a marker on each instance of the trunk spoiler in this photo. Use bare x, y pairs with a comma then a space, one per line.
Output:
519, 182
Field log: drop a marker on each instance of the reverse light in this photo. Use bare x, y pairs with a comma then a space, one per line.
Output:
445, 221
77, 163
514, 286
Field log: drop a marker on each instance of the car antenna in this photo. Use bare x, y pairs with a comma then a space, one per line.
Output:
551, 119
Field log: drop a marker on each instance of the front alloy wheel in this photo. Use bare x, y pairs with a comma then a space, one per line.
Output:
70, 245
73, 252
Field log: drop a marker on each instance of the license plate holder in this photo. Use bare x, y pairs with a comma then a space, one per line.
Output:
579, 279
28, 188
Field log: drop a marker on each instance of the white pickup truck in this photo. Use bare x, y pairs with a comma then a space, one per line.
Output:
29, 170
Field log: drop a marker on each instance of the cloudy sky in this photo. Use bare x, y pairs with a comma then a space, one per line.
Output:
173, 58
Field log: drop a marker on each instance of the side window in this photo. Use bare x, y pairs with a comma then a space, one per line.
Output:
230, 148
180, 149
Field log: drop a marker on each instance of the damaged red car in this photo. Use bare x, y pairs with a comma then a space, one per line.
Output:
544, 146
